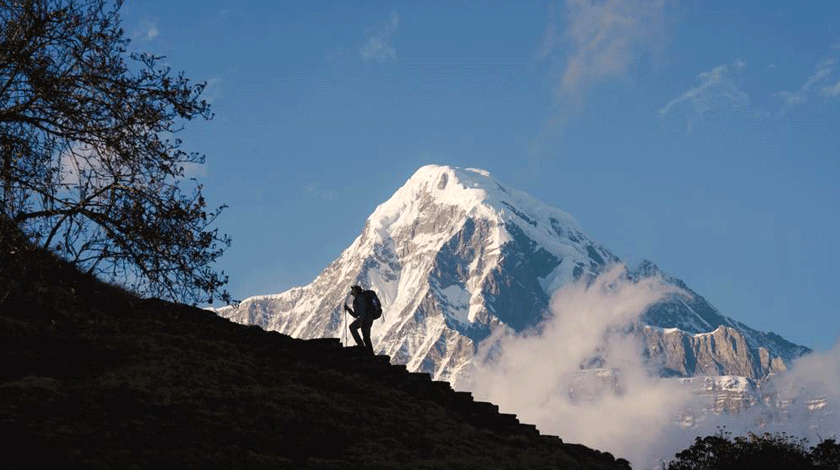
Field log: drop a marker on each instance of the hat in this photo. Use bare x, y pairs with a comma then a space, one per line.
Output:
355, 289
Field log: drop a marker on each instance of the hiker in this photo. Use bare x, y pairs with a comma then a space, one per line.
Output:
366, 308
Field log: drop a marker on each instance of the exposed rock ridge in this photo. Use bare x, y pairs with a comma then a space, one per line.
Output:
724, 351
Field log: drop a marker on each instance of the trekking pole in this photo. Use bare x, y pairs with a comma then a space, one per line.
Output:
344, 329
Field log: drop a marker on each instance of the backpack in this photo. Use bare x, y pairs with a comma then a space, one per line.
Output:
372, 304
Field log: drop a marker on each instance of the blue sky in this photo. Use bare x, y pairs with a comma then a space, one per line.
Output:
702, 135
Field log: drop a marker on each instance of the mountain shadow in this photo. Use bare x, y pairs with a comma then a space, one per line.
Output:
94, 377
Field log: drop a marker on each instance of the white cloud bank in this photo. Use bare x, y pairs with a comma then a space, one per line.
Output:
621, 407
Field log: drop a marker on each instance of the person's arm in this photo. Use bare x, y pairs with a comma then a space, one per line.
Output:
350, 311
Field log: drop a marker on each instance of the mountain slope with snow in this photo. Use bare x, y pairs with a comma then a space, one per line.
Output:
454, 253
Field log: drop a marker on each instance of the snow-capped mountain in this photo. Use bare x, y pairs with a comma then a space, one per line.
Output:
454, 253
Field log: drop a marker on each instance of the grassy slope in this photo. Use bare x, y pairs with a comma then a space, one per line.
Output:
93, 377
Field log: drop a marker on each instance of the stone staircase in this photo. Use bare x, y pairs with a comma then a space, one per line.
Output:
329, 352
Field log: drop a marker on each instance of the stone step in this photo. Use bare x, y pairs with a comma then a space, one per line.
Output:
486, 407
442, 385
464, 396
529, 429
324, 342
382, 358
369, 366
481, 413
508, 418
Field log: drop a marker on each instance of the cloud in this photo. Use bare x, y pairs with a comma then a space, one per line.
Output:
146, 30
378, 46
832, 91
813, 384
805, 401
790, 98
551, 36
823, 70
84, 166
75, 164
212, 89
314, 190
604, 38
622, 406
718, 89
194, 170
593, 41
618, 407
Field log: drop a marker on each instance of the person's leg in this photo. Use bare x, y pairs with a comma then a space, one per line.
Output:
354, 330
366, 333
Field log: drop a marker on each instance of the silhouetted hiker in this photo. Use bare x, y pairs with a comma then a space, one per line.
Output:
366, 308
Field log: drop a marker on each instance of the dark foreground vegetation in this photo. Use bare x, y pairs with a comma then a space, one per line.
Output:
90, 163
757, 451
94, 377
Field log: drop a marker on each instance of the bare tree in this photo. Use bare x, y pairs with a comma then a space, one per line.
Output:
91, 164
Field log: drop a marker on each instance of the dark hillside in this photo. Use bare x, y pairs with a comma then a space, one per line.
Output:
93, 377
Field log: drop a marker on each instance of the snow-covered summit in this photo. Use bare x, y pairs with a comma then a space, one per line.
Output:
474, 192
439, 201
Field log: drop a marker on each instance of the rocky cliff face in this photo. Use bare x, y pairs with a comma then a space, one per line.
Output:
724, 351
454, 254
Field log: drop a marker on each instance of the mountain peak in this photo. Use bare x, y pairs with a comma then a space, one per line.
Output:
453, 254
447, 185
469, 193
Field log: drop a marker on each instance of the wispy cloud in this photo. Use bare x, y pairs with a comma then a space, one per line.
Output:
314, 190
817, 80
194, 170
146, 30
594, 41
832, 91
790, 99
213, 89
605, 38
551, 36
821, 71
824, 69
718, 89
378, 46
